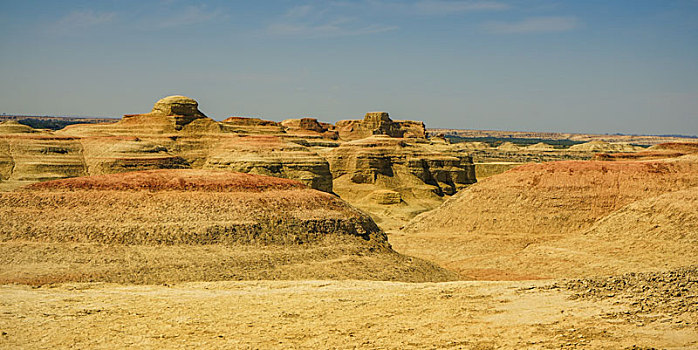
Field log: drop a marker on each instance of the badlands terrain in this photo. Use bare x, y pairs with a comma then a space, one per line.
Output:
169, 229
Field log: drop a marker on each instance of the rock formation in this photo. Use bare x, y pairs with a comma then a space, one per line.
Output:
30, 157
245, 125
175, 135
416, 177
310, 127
272, 156
178, 225
416, 173
181, 110
379, 123
508, 147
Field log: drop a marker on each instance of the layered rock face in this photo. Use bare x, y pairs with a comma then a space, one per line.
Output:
602, 146
245, 125
400, 177
310, 127
176, 135
409, 173
659, 151
29, 157
191, 225
379, 123
272, 156
228, 207
368, 160
181, 110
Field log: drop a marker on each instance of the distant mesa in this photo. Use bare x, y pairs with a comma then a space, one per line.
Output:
175, 134
396, 179
541, 146
379, 123
602, 146
247, 121
310, 127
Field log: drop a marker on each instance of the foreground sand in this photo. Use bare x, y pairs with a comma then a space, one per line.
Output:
333, 314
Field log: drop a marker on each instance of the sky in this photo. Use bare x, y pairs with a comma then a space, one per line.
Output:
566, 66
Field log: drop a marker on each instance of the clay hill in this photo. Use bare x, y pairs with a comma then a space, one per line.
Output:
176, 134
564, 219
180, 225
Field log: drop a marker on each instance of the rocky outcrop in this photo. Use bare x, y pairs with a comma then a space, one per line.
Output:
245, 125
379, 123
170, 115
508, 147
181, 109
272, 156
247, 121
117, 154
175, 135
386, 197
366, 161
310, 127
36, 157
412, 129
416, 177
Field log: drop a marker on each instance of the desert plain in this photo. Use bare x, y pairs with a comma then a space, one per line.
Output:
169, 229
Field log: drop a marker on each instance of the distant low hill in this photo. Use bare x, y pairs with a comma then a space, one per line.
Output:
54, 123
553, 138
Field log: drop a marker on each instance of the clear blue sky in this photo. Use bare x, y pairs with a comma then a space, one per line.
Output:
576, 66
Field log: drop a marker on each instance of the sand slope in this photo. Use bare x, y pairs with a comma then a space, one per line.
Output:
547, 220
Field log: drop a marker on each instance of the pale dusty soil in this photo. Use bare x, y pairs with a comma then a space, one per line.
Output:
332, 314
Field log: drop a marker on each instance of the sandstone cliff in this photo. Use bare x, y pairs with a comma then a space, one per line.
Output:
175, 134
396, 173
396, 179
271, 155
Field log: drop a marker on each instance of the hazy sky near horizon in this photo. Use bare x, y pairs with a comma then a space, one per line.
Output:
538, 65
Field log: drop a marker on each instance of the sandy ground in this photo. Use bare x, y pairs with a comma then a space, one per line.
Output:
329, 314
